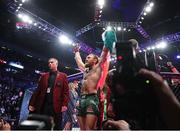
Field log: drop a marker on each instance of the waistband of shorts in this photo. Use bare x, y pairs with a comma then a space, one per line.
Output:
90, 94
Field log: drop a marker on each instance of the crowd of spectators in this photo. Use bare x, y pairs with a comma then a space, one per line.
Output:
10, 98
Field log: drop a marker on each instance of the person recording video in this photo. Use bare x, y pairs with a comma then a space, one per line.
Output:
140, 96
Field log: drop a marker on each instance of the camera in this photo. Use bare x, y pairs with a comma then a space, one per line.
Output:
133, 97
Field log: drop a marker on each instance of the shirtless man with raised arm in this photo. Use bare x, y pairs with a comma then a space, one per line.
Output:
93, 69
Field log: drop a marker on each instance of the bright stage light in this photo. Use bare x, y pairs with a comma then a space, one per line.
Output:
109, 28
101, 3
124, 29
151, 4
25, 18
24, 1
35, 24
178, 56
119, 28
20, 15
16, 65
148, 48
161, 45
148, 9
64, 39
153, 47
144, 13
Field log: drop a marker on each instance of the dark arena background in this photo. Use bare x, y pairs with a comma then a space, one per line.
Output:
32, 31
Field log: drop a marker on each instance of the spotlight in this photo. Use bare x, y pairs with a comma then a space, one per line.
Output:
25, 18
144, 13
16, 65
148, 48
101, 7
109, 28
148, 9
20, 15
142, 18
153, 47
151, 4
119, 28
24, 1
35, 24
178, 56
64, 39
124, 29
161, 45
101, 3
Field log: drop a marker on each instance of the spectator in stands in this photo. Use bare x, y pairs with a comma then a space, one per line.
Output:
71, 111
52, 94
174, 70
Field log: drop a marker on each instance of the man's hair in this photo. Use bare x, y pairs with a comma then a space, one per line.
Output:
53, 59
134, 43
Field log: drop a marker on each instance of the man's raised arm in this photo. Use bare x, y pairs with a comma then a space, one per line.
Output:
78, 59
109, 37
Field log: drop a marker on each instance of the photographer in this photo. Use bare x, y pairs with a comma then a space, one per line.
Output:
168, 104
140, 96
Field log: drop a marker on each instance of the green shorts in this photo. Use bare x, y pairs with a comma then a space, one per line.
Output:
89, 104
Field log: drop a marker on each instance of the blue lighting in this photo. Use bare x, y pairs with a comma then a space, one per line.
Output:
178, 56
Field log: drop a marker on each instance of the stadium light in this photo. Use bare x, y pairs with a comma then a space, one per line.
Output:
109, 28
161, 45
25, 18
151, 4
64, 39
101, 3
16, 65
119, 28
148, 9
178, 57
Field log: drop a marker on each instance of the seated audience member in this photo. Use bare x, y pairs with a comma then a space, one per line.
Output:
174, 70
70, 113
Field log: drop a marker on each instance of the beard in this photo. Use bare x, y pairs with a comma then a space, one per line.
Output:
88, 65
